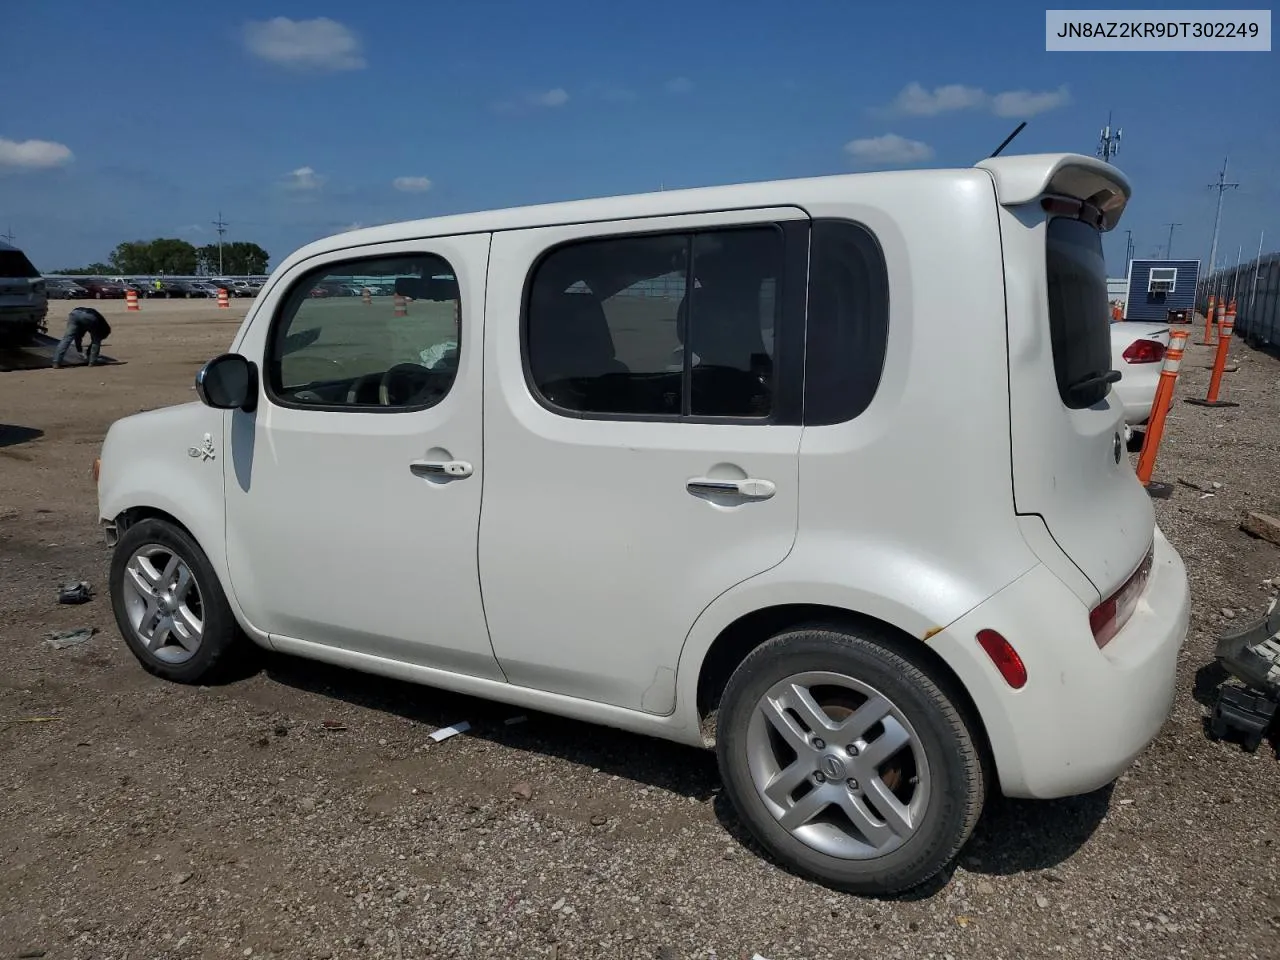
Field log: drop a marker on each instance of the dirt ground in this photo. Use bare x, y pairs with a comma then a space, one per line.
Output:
143, 819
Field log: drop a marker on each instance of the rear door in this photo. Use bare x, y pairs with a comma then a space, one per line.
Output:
642, 432
1071, 466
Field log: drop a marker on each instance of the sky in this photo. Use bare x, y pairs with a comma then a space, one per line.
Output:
303, 118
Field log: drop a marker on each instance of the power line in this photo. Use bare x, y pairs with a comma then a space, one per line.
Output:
1109, 142
1168, 250
221, 226
1221, 186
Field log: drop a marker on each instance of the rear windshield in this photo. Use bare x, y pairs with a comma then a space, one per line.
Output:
14, 263
1079, 324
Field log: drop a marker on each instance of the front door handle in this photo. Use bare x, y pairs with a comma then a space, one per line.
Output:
748, 489
440, 468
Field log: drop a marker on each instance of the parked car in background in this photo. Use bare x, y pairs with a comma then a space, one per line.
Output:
102, 289
1137, 351
744, 553
24, 300
185, 289
204, 288
62, 289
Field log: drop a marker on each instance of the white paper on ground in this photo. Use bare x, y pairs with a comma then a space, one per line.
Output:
444, 733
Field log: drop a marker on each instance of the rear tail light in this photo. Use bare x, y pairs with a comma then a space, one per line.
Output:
1144, 351
1110, 616
1004, 657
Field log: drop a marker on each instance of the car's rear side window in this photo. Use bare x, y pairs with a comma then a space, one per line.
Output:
1079, 322
14, 263
848, 329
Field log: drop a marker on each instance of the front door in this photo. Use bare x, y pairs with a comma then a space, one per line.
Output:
642, 435
353, 490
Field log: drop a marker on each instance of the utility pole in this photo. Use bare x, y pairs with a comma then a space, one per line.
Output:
221, 226
1168, 250
1257, 270
1128, 250
1109, 142
1235, 277
8, 237
1221, 186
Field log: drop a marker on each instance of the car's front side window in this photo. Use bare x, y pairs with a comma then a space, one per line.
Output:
378, 333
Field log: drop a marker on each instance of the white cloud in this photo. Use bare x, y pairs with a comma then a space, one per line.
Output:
304, 178
915, 100
888, 149
550, 98
322, 44
678, 85
412, 184
33, 154
1027, 103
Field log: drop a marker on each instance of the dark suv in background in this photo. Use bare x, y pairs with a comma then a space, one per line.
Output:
24, 302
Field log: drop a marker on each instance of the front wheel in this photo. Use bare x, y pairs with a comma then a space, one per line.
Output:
847, 761
169, 604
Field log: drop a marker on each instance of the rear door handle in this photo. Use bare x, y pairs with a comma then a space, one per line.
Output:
440, 468
748, 489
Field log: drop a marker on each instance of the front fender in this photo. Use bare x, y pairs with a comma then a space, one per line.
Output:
161, 460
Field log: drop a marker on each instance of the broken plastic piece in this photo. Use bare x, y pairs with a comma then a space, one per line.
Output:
1252, 652
61, 639
444, 733
75, 591
1248, 712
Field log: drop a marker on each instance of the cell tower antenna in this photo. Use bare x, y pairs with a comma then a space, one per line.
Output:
1109, 141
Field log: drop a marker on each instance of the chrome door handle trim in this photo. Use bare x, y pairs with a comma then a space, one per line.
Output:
440, 468
748, 489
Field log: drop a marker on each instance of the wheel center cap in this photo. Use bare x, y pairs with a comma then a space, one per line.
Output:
832, 766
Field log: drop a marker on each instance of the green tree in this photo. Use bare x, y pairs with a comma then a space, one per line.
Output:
92, 270
169, 256
239, 258
162, 255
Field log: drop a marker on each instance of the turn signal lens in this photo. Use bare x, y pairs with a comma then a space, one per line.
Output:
97, 469
1004, 657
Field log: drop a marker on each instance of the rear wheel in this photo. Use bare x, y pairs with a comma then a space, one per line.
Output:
847, 761
169, 604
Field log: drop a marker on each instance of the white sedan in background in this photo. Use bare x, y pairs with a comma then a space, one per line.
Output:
1137, 351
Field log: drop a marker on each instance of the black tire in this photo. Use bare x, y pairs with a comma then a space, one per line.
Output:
221, 637
947, 737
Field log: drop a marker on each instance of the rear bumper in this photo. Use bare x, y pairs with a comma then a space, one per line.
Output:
1136, 393
1084, 714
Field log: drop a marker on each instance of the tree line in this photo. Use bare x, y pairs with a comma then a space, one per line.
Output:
166, 256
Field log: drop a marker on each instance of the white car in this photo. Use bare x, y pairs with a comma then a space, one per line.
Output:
1137, 351
879, 549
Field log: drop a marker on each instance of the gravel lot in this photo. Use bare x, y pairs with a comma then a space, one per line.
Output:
150, 820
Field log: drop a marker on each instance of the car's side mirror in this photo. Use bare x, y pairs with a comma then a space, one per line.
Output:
228, 382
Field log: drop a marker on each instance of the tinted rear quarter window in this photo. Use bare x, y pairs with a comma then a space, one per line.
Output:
848, 329
1079, 323
14, 263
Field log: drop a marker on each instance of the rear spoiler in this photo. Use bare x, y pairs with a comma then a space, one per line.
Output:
1024, 179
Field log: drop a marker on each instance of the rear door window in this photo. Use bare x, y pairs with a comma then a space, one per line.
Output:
1079, 321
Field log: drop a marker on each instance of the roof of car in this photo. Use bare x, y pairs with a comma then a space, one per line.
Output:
1018, 179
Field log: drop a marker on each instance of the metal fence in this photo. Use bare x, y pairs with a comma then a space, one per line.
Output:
1255, 286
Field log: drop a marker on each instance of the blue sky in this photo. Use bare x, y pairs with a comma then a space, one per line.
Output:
304, 117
